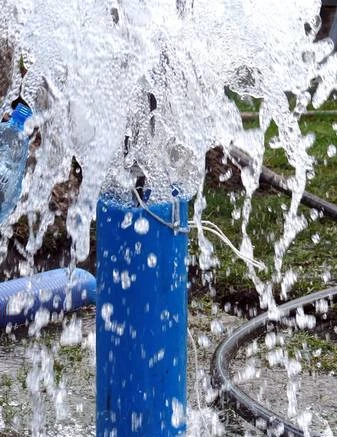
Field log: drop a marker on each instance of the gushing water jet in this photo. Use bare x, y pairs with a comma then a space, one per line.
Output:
135, 90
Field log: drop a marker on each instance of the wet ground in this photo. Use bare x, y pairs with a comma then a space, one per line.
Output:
303, 395
68, 408
67, 405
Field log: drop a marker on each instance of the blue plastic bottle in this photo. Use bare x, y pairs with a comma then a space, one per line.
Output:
13, 156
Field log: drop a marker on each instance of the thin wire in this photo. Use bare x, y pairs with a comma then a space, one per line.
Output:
210, 227
226, 240
258, 264
196, 366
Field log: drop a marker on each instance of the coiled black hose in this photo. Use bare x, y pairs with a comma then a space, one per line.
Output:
230, 394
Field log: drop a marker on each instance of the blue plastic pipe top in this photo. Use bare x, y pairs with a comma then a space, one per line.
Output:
21, 298
141, 322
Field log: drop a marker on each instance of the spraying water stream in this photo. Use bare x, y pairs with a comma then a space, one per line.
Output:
136, 91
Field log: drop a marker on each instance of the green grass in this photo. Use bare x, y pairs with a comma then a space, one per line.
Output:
310, 261
313, 352
316, 353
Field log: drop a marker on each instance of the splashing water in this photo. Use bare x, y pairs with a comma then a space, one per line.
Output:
136, 89
152, 74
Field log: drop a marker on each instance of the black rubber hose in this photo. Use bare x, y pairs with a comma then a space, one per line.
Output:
268, 176
249, 116
230, 394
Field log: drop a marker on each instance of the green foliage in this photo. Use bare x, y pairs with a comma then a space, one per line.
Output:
74, 354
316, 353
312, 261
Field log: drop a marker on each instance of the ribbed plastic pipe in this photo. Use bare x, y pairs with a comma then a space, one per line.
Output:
21, 298
141, 322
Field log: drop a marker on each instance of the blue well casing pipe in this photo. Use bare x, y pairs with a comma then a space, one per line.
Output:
21, 298
141, 322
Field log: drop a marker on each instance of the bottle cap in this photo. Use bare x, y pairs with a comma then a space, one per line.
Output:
20, 115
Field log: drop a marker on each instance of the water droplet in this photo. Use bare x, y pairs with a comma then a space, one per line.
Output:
314, 214
20, 302
304, 320
315, 238
136, 421
165, 315
178, 413
115, 276
138, 247
106, 313
42, 318
120, 329
204, 341
252, 349
125, 280
214, 309
127, 221
225, 176
270, 340
236, 213
326, 276
152, 260
331, 151
161, 354
216, 327
45, 295
142, 226
322, 306
72, 333
127, 255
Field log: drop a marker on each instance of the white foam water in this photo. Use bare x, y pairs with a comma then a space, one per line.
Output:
136, 89
152, 74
